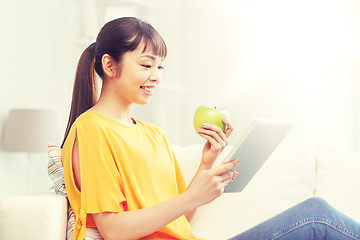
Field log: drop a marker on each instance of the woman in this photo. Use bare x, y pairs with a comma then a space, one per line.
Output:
121, 174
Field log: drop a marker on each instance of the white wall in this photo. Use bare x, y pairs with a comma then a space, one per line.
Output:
37, 67
296, 60
41, 42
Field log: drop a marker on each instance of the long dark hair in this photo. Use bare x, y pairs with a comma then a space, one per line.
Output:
116, 37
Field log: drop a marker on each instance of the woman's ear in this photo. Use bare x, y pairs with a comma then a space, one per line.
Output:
108, 65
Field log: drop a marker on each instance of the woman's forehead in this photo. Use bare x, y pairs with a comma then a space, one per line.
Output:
148, 50
154, 48
139, 53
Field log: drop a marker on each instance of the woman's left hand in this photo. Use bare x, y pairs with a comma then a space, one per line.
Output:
217, 140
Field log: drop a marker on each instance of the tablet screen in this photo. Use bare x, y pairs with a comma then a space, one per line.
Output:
254, 148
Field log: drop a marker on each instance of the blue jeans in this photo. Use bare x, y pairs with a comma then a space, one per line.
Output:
311, 219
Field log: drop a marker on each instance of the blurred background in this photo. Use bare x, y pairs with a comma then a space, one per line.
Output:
281, 59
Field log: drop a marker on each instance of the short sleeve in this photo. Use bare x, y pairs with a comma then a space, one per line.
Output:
100, 177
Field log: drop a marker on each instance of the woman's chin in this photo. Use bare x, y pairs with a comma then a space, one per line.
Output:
144, 102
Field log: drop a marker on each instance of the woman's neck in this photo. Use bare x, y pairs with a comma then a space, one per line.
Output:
114, 110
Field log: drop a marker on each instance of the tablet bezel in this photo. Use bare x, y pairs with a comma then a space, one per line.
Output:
254, 147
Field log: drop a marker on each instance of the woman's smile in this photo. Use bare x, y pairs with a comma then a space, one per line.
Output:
148, 90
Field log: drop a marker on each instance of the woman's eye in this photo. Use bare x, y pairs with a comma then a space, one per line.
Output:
149, 66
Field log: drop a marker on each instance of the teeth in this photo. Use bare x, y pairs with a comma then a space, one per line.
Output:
149, 89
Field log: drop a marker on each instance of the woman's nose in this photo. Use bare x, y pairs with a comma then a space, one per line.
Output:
156, 76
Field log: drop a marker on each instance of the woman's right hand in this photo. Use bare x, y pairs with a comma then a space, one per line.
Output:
207, 185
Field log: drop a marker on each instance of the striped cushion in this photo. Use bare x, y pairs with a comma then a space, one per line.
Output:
56, 174
55, 169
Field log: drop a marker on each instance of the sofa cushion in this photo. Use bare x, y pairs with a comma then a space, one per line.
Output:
56, 174
189, 158
55, 169
338, 179
37, 216
287, 178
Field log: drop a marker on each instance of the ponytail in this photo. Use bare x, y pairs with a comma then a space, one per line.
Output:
85, 90
115, 38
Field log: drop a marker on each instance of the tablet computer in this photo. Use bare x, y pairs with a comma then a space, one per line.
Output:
254, 148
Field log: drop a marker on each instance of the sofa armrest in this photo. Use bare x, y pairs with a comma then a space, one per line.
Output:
337, 179
38, 216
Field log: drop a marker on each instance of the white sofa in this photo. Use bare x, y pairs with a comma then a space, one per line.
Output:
292, 174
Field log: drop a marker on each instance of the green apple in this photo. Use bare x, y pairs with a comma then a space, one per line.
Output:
206, 114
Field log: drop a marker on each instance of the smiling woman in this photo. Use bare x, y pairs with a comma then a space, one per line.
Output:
121, 174
127, 35
139, 72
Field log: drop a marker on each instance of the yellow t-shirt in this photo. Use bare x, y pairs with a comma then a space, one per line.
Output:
123, 168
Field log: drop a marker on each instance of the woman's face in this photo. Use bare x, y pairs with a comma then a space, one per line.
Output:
140, 73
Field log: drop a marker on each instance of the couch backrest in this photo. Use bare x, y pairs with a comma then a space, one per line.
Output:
287, 178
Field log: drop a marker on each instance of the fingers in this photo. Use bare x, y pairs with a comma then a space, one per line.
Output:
217, 143
225, 167
225, 174
212, 131
210, 184
229, 176
229, 127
